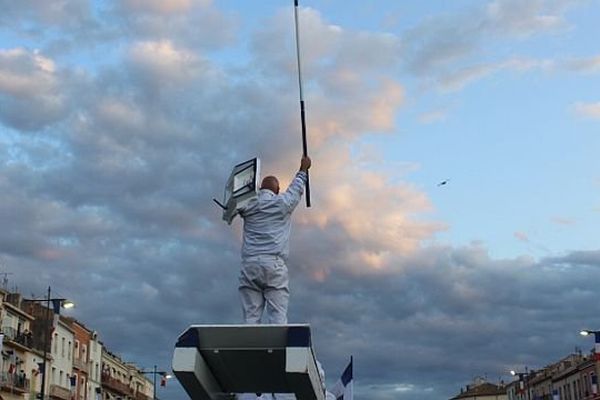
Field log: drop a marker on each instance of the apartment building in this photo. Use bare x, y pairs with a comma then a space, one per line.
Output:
60, 382
481, 389
75, 359
141, 385
16, 369
568, 379
94, 391
81, 346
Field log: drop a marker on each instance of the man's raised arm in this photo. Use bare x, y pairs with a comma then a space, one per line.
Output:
292, 195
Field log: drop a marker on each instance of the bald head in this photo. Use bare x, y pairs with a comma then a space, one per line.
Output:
271, 183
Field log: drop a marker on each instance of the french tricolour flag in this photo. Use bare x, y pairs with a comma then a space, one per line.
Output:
343, 388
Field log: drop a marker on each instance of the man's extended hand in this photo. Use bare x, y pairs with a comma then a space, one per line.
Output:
305, 163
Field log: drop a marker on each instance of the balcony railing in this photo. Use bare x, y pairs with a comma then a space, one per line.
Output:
60, 392
16, 382
25, 339
115, 384
80, 364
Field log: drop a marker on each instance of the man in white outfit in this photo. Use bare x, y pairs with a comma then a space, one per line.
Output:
264, 275
267, 224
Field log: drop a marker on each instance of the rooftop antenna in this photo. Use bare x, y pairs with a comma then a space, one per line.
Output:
5, 279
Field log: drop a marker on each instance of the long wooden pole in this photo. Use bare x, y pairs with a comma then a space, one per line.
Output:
302, 110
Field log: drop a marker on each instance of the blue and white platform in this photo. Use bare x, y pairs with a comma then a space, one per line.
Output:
214, 362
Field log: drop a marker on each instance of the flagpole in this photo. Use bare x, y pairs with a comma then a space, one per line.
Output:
302, 111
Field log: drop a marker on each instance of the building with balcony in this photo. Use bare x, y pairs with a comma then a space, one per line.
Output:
94, 368
480, 389
16, 364
568, 379
77, 365
114, 377
142, 386
61, 369
81, 346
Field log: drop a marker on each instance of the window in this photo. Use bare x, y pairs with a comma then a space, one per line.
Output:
84, 353
76, 350
61, 378
69, 350
53, 375
62, 351
55, 343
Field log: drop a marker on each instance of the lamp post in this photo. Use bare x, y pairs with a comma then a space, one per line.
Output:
155, 372
45, 328
587, 332
521, 375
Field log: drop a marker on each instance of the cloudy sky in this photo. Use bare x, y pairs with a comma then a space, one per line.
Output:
120, 120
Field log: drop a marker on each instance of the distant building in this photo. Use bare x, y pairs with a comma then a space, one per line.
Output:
75, 359
121, 380
568, 379
141, 385
480, 389
16, 366
61, 382
95, 365
81, 346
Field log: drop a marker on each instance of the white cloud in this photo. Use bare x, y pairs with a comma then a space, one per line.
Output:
585, 65
524, 18
587, 110
440, 48
433, 116
163, 6
163, 62
31, 92
116, 205
459, 79
521, 236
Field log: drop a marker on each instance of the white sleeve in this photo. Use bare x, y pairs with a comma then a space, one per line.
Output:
293, 194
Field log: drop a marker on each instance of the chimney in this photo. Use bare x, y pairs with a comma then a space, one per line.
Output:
14, 299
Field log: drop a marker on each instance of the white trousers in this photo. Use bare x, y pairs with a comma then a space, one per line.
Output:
264, 287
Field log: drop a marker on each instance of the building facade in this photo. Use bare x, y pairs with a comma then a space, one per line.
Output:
568, 379
78, 367
81, 356
16, 369
95, 368
114, 377
480, 389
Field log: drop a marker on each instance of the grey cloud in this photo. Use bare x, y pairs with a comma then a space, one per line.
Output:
112, 207
584, 65
445, 304
408, 331
340, 61
447, 42
82, 26
198, 25
457, 80
32, 92
73, 14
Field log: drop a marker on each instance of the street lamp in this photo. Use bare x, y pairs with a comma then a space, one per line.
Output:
587, 332
154, 372
57, 303
521, 375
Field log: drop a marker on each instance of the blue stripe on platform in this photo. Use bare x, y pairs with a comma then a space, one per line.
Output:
188, 339
298, 336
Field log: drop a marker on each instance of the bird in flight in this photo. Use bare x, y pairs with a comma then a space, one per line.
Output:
442, 183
